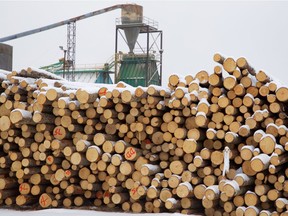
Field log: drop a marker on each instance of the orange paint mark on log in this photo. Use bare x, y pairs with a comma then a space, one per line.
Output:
23, 188
131, 152
134, 190
57, 132
43, 200
68, 173
147, 141
106, 194
102, 92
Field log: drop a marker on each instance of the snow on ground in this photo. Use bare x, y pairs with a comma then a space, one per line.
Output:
74, 212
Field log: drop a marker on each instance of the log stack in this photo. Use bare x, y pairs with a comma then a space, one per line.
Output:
215, 141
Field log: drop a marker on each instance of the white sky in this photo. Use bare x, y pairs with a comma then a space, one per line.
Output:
193, 31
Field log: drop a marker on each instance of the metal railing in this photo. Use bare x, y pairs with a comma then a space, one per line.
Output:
138, 20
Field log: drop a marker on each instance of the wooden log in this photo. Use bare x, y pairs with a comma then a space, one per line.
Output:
172, 203
21, 117
229, 65
132, 154
243, 64
260, 162
267, 144
251, 199
25, 200
149, 169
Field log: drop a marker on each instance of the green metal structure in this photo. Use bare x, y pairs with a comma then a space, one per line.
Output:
84, 74
142, 65
134, 71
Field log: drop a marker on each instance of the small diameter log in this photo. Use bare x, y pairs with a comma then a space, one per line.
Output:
43, 118
246, 152
277, 160
100, 138
218, 58
132, 154
172, 204
22, 200
149, 169
243, 179
212, 192
119, 198
7, 183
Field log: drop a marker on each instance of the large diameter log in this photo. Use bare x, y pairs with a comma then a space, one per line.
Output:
231, 189
251, 199
229, 65
60, 133
87, 96
260, 162
45, 200
190, 146
267, 144
126, 168
177, 167
5, 123
21, 117
282, 94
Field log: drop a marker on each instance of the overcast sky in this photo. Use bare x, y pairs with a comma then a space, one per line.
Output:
193, 31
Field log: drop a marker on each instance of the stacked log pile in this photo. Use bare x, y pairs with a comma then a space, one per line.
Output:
216, 141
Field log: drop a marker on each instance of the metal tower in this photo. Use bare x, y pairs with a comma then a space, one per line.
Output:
143, 64
71, 50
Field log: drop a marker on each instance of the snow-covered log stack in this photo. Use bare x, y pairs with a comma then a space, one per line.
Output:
217, 142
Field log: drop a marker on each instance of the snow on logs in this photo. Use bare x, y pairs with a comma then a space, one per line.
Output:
216, 141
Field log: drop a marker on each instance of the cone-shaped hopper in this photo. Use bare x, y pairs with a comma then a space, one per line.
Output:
131, 36
132, 14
